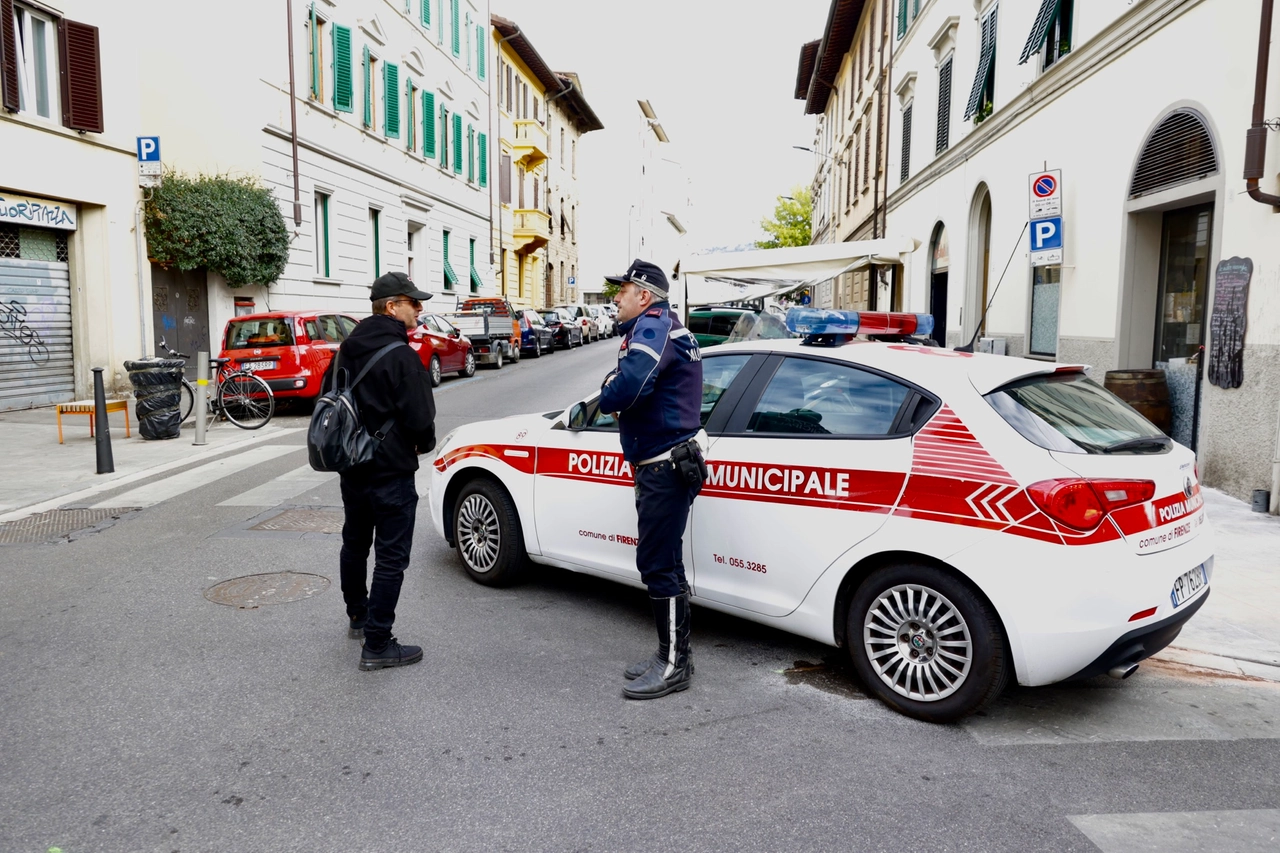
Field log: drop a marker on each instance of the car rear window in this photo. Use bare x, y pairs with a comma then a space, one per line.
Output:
272, 332
1071, 413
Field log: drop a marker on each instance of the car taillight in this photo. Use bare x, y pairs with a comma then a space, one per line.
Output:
1081, 504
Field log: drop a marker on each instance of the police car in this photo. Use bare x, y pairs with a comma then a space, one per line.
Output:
951, 519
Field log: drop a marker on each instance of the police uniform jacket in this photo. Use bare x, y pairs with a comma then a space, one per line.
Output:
657, 385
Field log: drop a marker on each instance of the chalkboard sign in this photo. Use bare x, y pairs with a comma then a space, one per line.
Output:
1226, 326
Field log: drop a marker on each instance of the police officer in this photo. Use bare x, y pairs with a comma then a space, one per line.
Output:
656, 391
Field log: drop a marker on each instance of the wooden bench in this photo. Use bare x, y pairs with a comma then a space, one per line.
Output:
86, 407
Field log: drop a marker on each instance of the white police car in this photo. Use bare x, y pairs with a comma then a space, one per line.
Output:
951, 519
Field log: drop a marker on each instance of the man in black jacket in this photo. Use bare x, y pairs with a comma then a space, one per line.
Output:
380, 498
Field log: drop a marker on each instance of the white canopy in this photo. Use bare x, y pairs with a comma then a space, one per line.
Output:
740, 276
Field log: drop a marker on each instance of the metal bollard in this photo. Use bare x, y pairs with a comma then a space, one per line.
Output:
106, 464
201, 406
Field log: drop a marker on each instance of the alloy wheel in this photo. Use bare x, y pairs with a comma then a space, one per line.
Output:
479, 533
918, 642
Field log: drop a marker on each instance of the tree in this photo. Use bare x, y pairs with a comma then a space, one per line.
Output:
792, 222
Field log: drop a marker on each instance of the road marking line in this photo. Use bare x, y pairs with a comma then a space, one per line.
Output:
287, 485
77, 497
170, 487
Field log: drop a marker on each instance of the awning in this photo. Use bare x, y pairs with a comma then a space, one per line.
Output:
1040, 29
741, 276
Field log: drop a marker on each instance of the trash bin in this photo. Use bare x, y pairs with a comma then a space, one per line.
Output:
157, 391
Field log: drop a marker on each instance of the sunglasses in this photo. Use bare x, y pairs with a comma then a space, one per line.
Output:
415, 303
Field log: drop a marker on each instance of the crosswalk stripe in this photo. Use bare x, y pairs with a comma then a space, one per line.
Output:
277, 491
170, 487
1241, 831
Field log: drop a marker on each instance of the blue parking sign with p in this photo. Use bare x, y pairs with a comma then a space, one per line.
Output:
148, 149
1046, 234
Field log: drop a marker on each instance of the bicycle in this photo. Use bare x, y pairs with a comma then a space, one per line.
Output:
235, 394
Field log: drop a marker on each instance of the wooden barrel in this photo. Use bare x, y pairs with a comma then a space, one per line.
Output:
1145, 390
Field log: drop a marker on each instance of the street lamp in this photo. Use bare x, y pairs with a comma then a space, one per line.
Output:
819, 153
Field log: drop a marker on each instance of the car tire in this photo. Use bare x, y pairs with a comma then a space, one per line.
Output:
434, 370
469, 364
922, 603
537, 348
487, 534
497, 359
515, 355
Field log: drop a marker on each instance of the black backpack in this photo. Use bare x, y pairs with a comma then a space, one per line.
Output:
336, 439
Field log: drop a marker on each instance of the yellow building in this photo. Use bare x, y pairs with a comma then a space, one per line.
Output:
520, 213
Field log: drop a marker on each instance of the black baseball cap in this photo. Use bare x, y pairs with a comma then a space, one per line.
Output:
644, 274
397, 284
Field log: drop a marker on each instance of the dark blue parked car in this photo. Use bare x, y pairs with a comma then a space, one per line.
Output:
535, 336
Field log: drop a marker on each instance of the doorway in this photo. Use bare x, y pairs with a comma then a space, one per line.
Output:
972, 318
939, 265
180, 312
1184, 282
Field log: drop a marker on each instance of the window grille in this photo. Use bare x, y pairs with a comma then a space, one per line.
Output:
1179, 150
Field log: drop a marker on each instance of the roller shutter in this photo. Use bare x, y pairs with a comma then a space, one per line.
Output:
36, 367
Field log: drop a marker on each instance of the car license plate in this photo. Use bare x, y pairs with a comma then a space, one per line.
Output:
1187, 585
257, 365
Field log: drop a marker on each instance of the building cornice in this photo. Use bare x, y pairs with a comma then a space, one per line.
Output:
1125, 33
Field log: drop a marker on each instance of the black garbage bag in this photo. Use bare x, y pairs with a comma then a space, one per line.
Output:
157, 389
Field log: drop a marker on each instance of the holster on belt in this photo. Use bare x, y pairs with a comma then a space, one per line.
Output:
688, 460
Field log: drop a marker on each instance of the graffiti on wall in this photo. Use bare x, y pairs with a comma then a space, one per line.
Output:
1227, 324
13, 324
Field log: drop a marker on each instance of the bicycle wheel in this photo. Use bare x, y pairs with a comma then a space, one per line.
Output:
187, 400
246, 400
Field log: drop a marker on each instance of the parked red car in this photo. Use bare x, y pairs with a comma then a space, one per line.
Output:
442, 348
289, 350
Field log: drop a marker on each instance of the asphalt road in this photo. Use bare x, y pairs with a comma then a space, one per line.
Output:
137, 715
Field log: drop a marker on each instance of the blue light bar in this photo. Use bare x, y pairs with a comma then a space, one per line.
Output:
822, 321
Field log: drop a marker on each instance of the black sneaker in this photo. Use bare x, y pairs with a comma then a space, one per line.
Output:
393, 655
355, 628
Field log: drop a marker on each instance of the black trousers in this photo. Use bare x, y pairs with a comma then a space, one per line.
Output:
663, 499
378, 514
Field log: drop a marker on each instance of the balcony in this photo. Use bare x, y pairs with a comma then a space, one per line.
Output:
531, 229
531, 143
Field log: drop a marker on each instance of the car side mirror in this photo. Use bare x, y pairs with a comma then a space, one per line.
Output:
579, 417
454, 333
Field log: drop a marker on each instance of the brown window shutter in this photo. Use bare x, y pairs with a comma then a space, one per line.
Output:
81, 76
8, 57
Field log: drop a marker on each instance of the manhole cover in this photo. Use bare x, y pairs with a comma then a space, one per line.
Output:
254, 591
303, 521
56, 524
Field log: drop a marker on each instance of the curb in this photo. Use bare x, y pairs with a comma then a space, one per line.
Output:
1239, 667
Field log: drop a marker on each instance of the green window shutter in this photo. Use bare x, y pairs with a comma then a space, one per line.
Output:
476, 284
484, 160
342, 95
315, 55
409, 128
1039, 29
368, 91
480, 52
457, 35
428, 124
444, 134
450, 277
986, 60
426, 13
902, 18
457, 144
391, 100
471, 154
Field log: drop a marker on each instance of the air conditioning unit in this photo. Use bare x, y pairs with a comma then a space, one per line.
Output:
995, 346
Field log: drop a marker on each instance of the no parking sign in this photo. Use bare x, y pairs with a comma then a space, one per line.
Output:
1046, 194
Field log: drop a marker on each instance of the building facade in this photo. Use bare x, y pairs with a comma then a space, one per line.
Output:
72, 290
659, 220
843, 80
1166, 261
570, 118
374, 143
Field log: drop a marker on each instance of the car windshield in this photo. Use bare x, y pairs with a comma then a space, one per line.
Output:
551, 317
1071, 413
269, 332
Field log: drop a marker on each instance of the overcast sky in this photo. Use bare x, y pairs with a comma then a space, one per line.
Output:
720, 75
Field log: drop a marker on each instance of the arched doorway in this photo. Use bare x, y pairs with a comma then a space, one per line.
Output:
939, 265
979, 266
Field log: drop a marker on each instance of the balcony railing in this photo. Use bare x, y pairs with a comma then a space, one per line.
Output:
531, 143
531, 229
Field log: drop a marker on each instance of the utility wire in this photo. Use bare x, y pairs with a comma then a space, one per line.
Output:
969, 346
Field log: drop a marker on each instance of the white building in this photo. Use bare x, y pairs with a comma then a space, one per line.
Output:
72, 296
659, 219
390, 115
1151, 150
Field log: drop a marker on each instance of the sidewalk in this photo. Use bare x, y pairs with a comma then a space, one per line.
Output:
37, 473
1237, 630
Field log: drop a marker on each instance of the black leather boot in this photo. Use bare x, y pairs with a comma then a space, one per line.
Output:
638, 668
673, 670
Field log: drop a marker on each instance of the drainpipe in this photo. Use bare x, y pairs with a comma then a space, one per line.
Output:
1255, 149
293, 122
